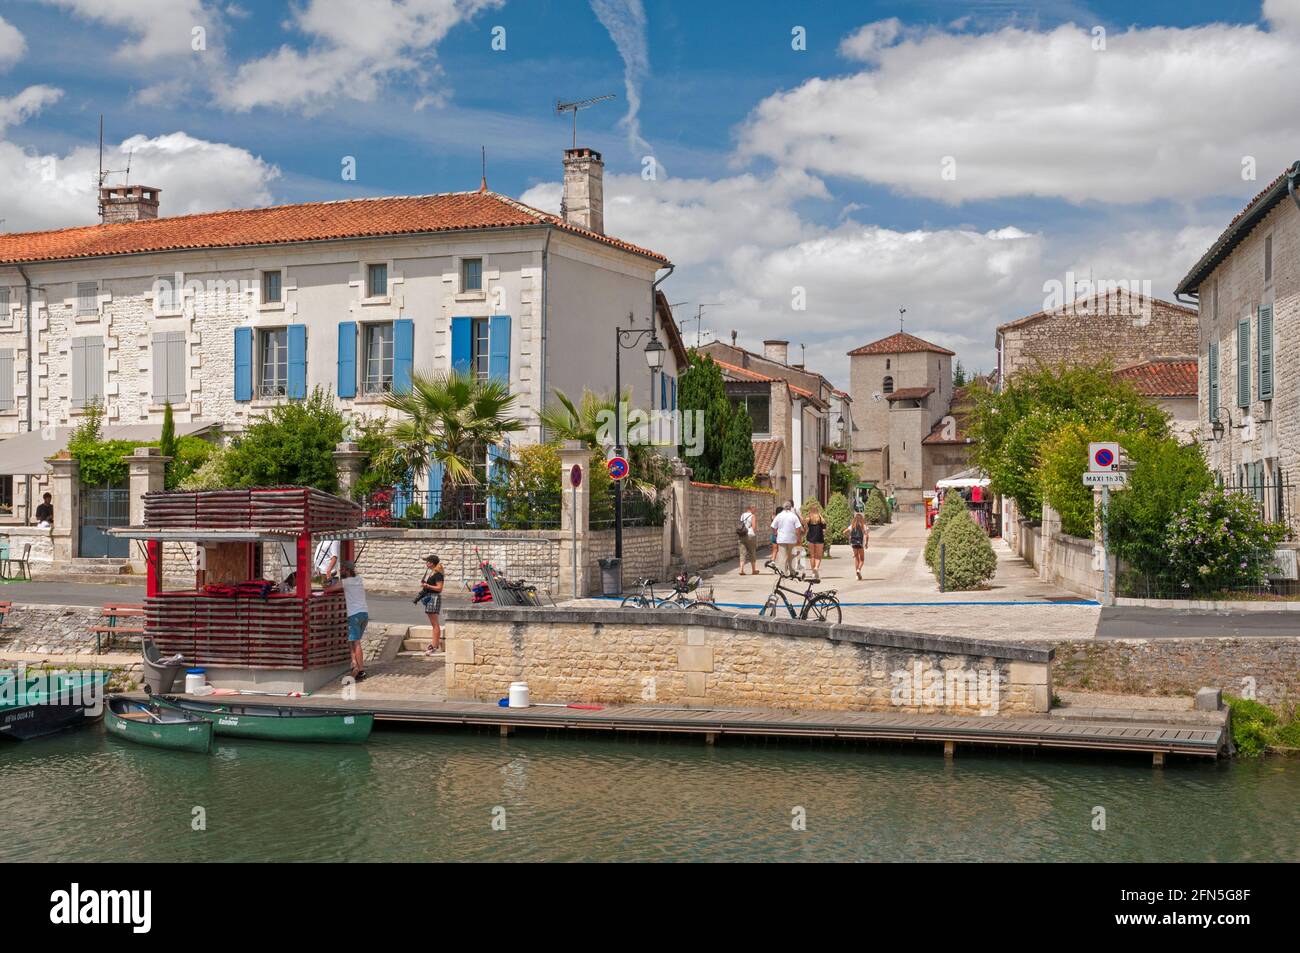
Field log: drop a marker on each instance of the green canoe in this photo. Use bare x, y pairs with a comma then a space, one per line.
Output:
151, 724
270, 722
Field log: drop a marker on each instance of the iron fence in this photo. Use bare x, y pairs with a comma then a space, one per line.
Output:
1137, 585
474, 506
638, 509
1276, 501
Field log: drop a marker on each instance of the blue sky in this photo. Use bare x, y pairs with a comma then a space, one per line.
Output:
776, 168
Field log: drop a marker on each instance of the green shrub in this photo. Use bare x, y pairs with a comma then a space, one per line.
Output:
1253, 726
1167, 477
969, 561
1219, 541
876, 511
291, 444
210, 475
371, 436
838, 514
189, 454
953, 505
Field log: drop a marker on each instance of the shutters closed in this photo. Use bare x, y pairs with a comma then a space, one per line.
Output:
87, 371
1264, 334
1243, 362
170, 358
1213, 374
347, 383
6, 378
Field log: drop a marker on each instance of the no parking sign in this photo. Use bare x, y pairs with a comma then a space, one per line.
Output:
1103, 457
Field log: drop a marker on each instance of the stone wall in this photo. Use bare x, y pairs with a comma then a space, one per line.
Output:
712, 515
624, 656
1069, 562
396, 565
42, 554
1270, 667
50, 630
645, 555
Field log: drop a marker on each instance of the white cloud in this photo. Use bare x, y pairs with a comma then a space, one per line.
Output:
12, 44
158, 28
625, 21
352, 54
195, 175
1160, 113
33, 99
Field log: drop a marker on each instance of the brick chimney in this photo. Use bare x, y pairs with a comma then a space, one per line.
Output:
128, 203
584, 189
776, 351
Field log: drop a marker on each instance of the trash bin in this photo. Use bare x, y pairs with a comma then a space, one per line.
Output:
611, 577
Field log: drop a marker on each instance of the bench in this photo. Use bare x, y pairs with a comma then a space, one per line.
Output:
117, 618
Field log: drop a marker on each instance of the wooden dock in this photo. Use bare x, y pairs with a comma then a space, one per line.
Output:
1155, 737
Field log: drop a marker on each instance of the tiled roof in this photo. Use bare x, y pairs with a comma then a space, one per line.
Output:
937, 436
744, 373
286, 224
1162, 376
1098, 305
910, 393
766, 455
900, 343
1237, 229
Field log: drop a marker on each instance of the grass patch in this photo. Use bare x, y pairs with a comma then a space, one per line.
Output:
1256, 727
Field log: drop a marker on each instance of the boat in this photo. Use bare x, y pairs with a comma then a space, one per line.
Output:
39, 704
148, 723
271, 722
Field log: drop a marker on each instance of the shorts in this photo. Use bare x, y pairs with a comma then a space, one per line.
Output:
432, 603
357, 625
749, 549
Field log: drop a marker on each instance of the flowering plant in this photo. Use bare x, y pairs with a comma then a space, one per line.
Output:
1219, 540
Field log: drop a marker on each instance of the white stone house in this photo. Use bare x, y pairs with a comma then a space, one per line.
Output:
1248, 288
225, 314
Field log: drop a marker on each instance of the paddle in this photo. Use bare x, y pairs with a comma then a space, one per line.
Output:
505, 703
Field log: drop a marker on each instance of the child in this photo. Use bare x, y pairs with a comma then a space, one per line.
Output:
858, 536
431, 586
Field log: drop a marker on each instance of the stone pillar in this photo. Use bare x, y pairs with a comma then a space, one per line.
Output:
65, 486
575, 513
147, 469
350, 461
1051, 525
681, 517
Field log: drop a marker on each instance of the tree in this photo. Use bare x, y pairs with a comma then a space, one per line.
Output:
953, 507
1219, 541
701, 388
875, 511
968, 557
592, 421
843, 476
838, 515
167, 443
449, 419
958, 375
529, 495
737, 449
291, 444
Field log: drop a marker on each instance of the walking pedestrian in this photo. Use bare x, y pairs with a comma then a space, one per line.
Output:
748, 540
816, 539
779, 510
789, 533
859, 535
431, 600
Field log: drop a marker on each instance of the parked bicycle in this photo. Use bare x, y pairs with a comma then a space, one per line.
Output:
684, 585
817, 606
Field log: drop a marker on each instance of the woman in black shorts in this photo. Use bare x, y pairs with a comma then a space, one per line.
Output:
431, 586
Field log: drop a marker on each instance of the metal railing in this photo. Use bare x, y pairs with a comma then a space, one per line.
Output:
468, 507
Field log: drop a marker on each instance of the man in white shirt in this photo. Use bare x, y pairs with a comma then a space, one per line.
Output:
354, 598
788, 528
325, 562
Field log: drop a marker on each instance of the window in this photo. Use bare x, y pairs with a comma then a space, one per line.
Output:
480, 356
471, 274
270, 287
376, 281
87, 297
6, 379
273, 363
888, 386
886, 363
169, 296
378, 343
169, 367
87, 371
6, 495
759, 409
4, 302
1268, 259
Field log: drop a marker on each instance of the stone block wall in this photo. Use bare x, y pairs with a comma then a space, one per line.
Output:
645, 555
627, 657
51, 630
713, 513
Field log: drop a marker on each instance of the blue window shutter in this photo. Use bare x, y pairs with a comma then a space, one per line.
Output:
297, 361
1243, 362
436, 471
1213, 389
1264, 333
347, 359
403, 353
243, 363
462, 344
494, 454
674, 393
663, 391
499, 348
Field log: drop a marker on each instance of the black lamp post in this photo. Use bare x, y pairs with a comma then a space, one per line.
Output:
654, 357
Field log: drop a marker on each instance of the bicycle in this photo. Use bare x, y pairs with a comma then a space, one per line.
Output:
817, 606
682, 584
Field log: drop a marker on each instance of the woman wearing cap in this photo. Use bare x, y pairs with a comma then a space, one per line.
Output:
431, 586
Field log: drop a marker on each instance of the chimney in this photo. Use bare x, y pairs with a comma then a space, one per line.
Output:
776, 351
584, 189
128, 203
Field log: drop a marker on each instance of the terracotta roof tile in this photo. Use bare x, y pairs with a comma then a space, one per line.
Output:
900, 343
767, 453
910, 393
1162, 377
744, 373
286, 224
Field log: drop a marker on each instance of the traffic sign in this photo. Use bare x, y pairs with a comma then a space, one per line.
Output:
1118, 478
575, 476
617, 467
1103, 457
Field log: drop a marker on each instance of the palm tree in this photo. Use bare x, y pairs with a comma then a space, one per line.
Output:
589, 422
448, 419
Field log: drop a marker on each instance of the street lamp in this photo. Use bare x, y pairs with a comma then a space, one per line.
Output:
1216, 425
654, 357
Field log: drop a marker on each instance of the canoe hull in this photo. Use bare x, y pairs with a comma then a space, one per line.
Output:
188, 735
278, 723
35, 721
43, 704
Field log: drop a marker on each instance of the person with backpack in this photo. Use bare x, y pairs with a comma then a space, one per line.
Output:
748, 541
859, 536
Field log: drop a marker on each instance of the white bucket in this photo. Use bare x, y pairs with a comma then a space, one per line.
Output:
518, 694
195, 679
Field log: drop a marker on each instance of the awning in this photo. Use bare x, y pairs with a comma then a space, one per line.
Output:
971, 477
24, 455
200, 535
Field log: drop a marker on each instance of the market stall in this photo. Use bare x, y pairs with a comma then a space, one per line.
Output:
973, 485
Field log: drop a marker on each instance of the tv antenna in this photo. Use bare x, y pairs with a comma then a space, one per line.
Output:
105, 173
699, 317
573, 107
901, 312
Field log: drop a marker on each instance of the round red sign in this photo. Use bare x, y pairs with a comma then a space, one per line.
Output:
617, 467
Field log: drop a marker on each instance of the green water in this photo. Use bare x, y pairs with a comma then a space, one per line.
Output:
434, 796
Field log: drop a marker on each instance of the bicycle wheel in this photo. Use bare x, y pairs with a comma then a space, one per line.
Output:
823, 609
668, 604
634, 602
701, 604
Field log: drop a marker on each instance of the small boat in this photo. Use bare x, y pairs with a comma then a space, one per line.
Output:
41, 703
271, 722
148, 723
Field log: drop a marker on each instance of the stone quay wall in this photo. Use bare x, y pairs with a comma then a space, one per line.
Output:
627, 657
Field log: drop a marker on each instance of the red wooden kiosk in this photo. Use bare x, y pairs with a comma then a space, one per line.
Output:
244, 630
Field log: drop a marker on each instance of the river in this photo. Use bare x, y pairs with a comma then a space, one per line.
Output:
458, 796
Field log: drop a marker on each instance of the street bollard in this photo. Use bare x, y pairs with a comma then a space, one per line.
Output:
942, 574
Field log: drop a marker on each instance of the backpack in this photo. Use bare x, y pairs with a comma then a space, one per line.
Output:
741, 529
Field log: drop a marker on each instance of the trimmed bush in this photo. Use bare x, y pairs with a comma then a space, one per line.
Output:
953, 505
876, 511
969, 560
838, 514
